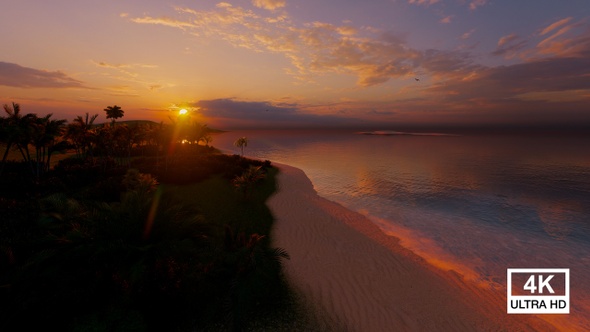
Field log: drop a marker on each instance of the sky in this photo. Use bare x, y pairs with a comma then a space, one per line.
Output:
378, 64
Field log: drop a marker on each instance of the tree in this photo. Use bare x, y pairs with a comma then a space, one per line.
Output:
16, 131
208, 139
45, 137
81, 134
9, 129
252, 261
248, 179
123, 142
241, 143
114, 112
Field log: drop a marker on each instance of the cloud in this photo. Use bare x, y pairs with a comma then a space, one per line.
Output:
12, 74
423, 2
477, 3
446, 19
128, 73
472, 5
269, 4
166, 21
547, 90
312, 48
371, 55
554, 74
123, 66
467, 34
447, 63
564, 38
233, 113
555, 25
509, 46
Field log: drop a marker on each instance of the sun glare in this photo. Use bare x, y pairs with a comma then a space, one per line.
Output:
182, 111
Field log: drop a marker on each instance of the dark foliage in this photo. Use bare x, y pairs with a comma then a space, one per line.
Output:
194, 163
90, 247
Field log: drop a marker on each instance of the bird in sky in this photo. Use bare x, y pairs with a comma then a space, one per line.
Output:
417, 79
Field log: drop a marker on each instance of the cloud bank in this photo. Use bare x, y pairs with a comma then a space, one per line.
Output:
231, 113
12, 74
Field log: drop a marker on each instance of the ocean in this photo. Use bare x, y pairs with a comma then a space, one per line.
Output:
477, 204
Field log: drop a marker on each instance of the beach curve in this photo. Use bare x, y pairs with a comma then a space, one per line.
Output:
357, 278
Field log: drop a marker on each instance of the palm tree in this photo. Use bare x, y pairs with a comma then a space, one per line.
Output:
104, 143
200, 133
9, 129
15, 131
44, 137
139, 135
80, 132
123, 141
114, 112
241, 143
207, 139
246, 182
251, 262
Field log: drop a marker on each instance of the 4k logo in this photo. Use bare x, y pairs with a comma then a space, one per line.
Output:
543, 283
538, 291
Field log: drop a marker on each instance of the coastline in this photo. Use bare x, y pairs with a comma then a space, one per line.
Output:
357, 278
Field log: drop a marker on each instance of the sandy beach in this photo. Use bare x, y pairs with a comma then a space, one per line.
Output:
356, 278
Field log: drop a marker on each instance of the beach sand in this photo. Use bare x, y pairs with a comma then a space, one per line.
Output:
356, 278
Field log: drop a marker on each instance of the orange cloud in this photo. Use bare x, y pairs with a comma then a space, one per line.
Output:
564, 39
313, 48
555, 25
509, 46
446, 19
269, 4
166, 21
374, 57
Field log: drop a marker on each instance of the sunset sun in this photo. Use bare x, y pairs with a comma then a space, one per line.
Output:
182, 111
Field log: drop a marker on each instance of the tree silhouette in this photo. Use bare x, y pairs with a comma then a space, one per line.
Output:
9, 129
207, 139
123, 140
114, 112
16, 131
241, 143
81, 134
45, 137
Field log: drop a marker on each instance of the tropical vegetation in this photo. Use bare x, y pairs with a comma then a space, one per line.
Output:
139, 228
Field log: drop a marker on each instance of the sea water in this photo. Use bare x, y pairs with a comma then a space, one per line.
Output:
476, 204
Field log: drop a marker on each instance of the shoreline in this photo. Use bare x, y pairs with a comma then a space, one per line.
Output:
356, 277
